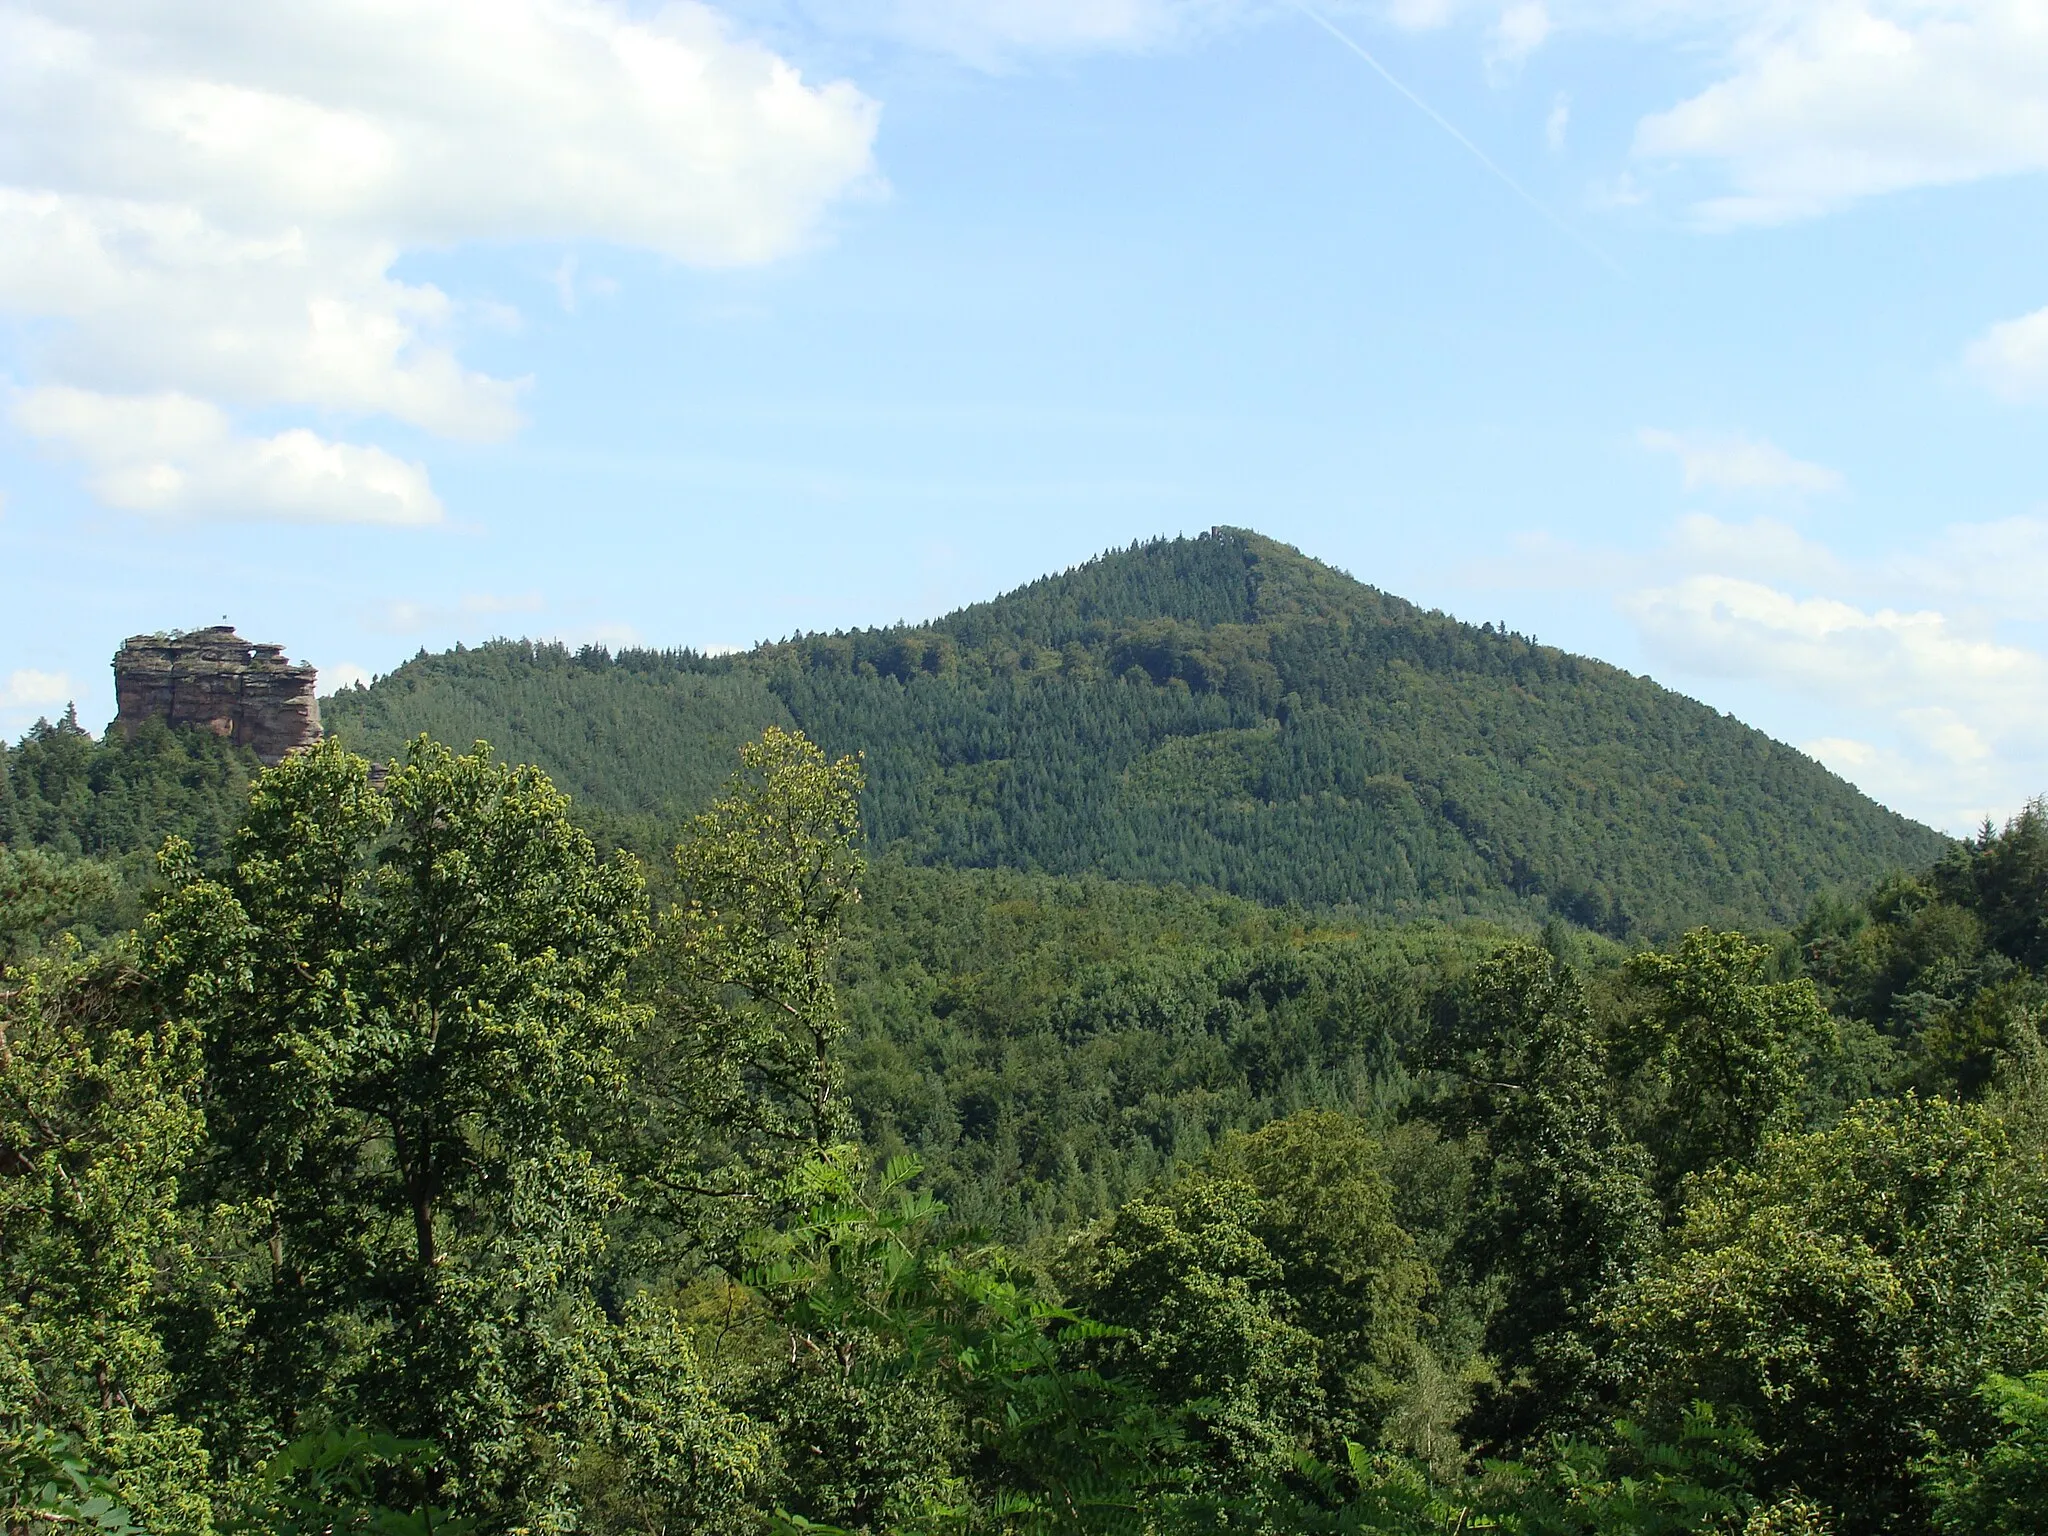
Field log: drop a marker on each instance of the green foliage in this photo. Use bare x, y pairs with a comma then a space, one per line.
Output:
872, 1305
1626, 1483
72, 795
2002, 877
643, 740
48, 1488
37, 890
410, 1117
1208, 1324
1050, 1047
350, 1482
1269, 1292
740, 1075
930, 1387
1847, 1294
1721, 1051
1352, 1275
665, 1451
1946, 961
1216, 711
412, 1009
1561, 1208
1695, 1482
99, 1121
2002, 1490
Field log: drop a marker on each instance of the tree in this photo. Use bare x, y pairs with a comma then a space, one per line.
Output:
1720, 1050
1561, 1210
37, 888
2002, 877
411, 1000
47, 1487
99, 1118
1351, 1274
666, 1452
1206, 1323
738, 1079
931, 1387
2001, 1490
1848, 1294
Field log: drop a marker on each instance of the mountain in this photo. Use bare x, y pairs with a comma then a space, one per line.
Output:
1219, 712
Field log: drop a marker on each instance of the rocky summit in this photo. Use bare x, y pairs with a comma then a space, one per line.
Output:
247, 692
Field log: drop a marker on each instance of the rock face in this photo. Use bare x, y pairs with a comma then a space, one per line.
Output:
216, 679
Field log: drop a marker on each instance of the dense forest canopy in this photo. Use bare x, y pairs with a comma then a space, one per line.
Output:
1219, 712
413, 1165
590, 1137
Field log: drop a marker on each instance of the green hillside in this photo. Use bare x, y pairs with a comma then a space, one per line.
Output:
1217, 711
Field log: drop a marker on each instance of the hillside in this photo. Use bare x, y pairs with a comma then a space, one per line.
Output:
1217, 711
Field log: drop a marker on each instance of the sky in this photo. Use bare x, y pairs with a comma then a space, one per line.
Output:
1707, 338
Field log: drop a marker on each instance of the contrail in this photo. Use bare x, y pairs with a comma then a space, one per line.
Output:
1449, 127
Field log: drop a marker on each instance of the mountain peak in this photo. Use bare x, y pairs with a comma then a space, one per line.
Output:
1223, 711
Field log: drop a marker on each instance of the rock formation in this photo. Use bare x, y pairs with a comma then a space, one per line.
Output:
214, 678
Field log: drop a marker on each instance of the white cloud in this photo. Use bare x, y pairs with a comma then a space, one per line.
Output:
1736, 463
205, 200
1422, 15
345, 674
1746, 628
1761, 547
1522, 28
1558, 123
153, 296
409, 617
1830, 102
27, 688
1998, 570
988, 32
1920, 781
171, 454
1622, 191
2011, 358
1917, 673
1968, 711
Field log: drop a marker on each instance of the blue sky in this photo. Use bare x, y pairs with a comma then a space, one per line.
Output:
374, 325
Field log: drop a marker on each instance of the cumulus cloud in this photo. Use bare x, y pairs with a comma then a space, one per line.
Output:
2011, 358
990, 32
1916, 673
155, 297
1970, 712
27, 688
1726, 624
1827, 103
172, 454
205, 200
1736, 463
1521, 30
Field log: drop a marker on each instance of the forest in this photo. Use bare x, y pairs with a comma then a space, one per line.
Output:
1218, 712
404, 1148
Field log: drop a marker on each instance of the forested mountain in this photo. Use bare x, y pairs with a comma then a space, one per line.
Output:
1217, 712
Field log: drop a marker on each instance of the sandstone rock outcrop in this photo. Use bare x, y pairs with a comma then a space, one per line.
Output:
214, 678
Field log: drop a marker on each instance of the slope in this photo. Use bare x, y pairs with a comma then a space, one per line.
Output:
1217, 711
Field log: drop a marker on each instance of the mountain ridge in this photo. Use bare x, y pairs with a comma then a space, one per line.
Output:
1217, 711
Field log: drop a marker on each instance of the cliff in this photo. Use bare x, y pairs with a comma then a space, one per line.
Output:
214, 678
